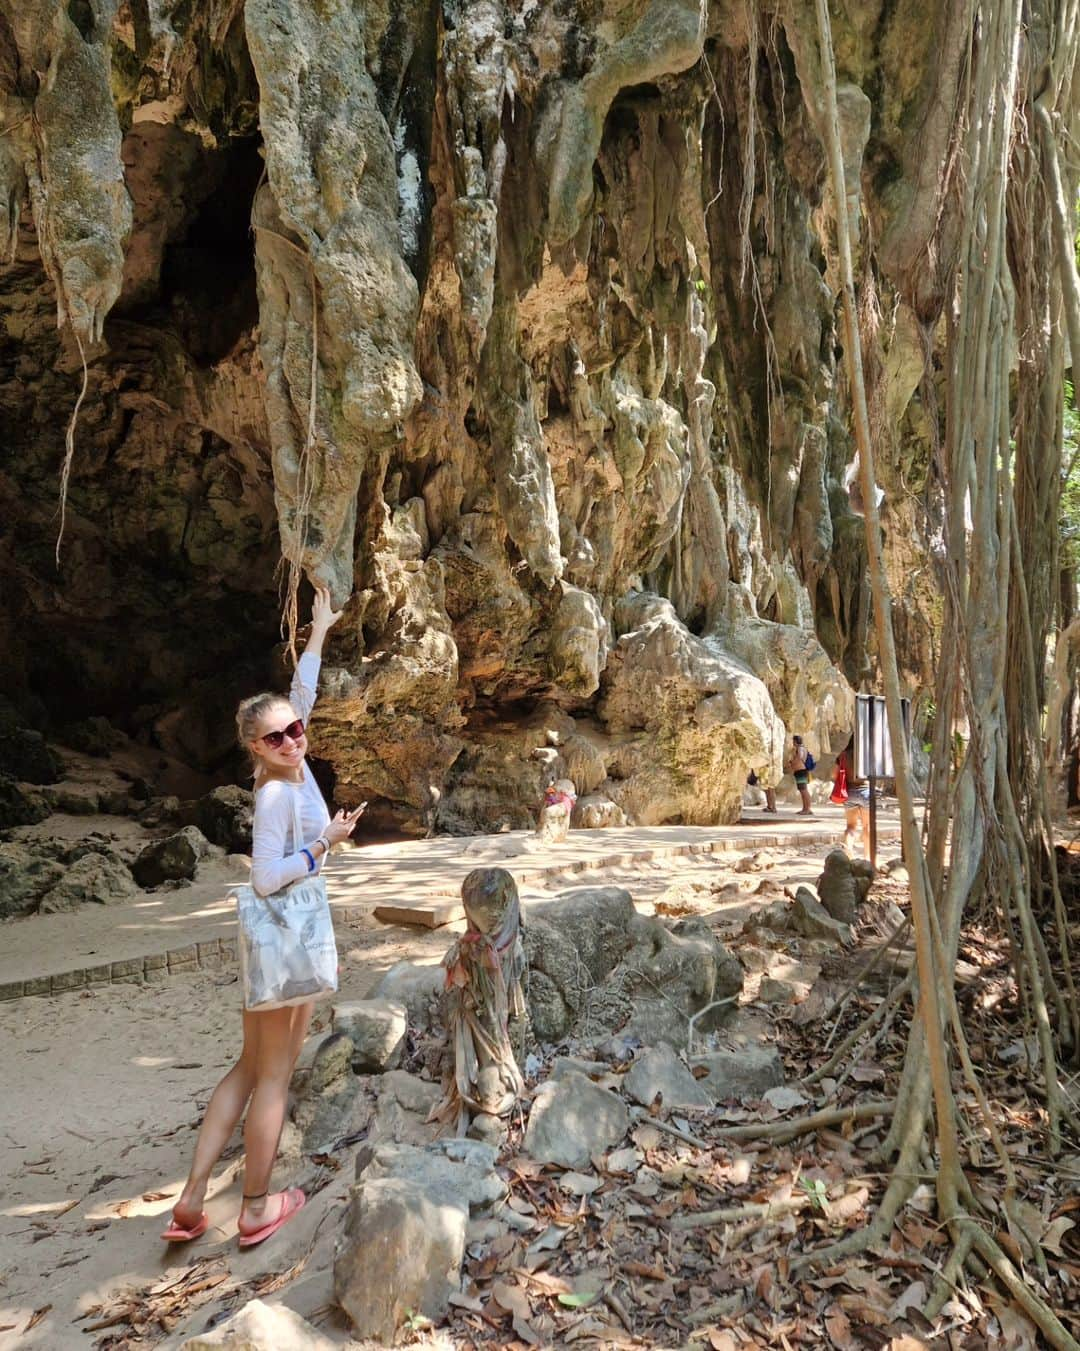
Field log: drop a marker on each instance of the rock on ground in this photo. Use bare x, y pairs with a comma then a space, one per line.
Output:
461, 1170
774, 991
746, 1073
331, 1101
673, 974
377, 1029
843, 885
261, 1327
810, 918
596, 811
26, 874
94, 878
225, 815
174, 858
573, 1120
658, 1072
572, 944
404, 1104
417, 986
20, 805
403, 1241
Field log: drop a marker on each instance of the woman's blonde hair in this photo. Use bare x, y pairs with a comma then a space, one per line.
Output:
250, 712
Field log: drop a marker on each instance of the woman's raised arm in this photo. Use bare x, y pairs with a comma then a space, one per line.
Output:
302, 693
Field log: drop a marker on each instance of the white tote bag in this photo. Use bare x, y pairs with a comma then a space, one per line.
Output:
286, 941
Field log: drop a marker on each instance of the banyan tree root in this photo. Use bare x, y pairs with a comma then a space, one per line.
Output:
981, 366
484, 969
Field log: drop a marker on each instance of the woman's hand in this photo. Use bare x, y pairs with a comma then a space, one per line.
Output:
323, 619
323, 614
341, 827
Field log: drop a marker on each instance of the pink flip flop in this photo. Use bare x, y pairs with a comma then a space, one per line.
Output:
176, 1233
293, 1201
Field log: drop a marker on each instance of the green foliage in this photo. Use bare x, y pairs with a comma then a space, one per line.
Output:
816, 1190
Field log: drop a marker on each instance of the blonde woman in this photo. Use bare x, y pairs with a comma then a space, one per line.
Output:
273, 730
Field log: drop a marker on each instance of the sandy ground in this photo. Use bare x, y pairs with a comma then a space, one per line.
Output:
102, 1094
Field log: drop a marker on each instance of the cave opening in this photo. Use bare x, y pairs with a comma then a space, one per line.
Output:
208, 274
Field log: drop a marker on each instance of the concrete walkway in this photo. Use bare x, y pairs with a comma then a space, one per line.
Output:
167, 932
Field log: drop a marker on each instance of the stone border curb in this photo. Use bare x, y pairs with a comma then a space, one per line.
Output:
156, 967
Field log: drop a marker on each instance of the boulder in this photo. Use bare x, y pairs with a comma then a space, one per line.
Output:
25, 876
810, 919
377, 1029
160, 811
691, 719
26, 756
462, 1171
746, 1073
92, 736
809, 693
563, 1065
572, 944
595, 811
673, 973
225, 815
839, 888
659, 1073
863, 871
572, 1120
775, 917
20, 805
403, 1241
92, 879
400, 1254
73, 799
261, 1327
174, 858
404, 1105
416, 985
331, 1102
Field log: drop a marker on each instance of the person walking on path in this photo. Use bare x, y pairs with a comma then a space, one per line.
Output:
798, 767
854, 796
272, 729
753, 781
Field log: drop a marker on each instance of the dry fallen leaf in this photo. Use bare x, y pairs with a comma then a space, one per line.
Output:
627, 1160
721, 1341
839, 1329
36, 1317
1055, 1232
579, 1184
511, 1298
914, 1297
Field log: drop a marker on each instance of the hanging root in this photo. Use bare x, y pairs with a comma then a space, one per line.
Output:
69, 446
293, 552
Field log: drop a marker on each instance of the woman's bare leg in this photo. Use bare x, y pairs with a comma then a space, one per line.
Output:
281, 1035
223, 1111
851, 820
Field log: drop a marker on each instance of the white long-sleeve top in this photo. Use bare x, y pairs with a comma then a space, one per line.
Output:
275, 856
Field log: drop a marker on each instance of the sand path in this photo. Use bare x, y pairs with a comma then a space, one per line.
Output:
102, 1094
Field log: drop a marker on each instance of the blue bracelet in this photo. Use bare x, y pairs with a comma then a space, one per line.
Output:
310, 859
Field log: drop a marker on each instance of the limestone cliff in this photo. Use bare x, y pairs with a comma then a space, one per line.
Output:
514, 320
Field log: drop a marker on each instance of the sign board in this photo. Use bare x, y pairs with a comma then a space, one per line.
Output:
873, 749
